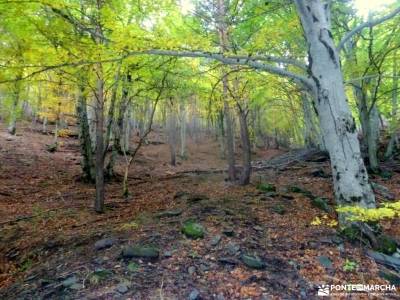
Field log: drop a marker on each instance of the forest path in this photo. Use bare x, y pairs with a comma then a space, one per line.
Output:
53, 254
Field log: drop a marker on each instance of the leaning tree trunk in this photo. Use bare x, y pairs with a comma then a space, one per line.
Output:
350, 178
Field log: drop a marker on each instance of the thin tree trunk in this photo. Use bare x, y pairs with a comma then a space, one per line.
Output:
183, 129
394, 123
99, 202
246, 148
350, 178
84, 136
119, 126
12, 125
172, 134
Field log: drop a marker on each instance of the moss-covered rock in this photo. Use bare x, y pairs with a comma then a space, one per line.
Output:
253, 262
140, 251
266, 187
193, 230
279, 209
299, 190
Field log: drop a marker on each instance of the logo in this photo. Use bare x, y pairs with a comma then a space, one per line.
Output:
323, 290
345, 289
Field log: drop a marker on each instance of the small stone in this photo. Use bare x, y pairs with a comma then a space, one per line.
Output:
149, 252
258, 228
194, 295
169, 213
69, 281
232, 248
167, 254
215, 240
287, 197
104, 243
76, 286
204, 268
325, 261
228, 261
271, 194
191, 270
122, 288
253, 262
220, 296
228, 231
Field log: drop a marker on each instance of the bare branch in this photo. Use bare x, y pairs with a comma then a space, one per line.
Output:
370, 23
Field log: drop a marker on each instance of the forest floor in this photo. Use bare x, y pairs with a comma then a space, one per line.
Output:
49, 233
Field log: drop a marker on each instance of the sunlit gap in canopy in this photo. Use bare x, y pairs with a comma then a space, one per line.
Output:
366, 7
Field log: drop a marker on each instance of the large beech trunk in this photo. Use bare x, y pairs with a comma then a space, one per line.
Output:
350, 178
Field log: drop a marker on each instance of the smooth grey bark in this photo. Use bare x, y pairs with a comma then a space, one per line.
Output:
350, 178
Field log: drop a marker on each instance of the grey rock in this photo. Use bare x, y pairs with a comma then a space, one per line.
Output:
69, 281
76, 286
170, 213
228, 261
232, 248
104, 243
220, 296
258, 228
194, 295
215, 240
204, 267
140, 251
122, 288
167, 254
253, 262
228, 231
191, 270
325, 261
